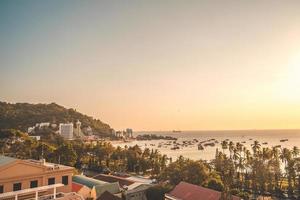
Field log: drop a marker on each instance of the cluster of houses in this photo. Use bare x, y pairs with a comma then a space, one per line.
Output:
41, 180
125, 134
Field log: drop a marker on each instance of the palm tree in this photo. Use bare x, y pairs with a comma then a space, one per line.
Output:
255, 147
295, 151
224, 145
231, 147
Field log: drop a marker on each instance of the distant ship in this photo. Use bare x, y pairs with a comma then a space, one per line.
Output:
176, 131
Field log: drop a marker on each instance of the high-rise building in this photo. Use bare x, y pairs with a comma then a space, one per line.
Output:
77, 130
66, 130
129, 132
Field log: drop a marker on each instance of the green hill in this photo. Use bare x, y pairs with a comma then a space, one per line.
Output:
23, 115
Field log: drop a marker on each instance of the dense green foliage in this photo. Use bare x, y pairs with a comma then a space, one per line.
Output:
98, 156
20, 116
157, 192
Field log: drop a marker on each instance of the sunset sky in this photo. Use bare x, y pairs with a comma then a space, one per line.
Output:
156, 65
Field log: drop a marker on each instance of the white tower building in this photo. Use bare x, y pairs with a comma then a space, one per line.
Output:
77, 130
66, 130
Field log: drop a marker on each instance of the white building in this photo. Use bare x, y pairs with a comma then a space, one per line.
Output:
129, 133
77, 129
66, 131
36, 137
30, 130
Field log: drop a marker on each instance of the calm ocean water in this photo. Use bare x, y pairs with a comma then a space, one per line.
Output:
271, 137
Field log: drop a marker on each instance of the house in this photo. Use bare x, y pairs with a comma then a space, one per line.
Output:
108, 196
112, 179
134, 187
137, 191
187, 191
97, 187
82, 190
36, 177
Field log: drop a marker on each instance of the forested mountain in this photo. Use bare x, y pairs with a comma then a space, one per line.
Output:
23, 115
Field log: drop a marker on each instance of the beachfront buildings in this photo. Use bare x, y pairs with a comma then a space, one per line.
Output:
31, 178
124, 134
66, 130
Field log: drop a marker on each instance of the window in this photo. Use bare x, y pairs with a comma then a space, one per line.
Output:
1, 189
65, 180
33, 184
51, 181
17, 186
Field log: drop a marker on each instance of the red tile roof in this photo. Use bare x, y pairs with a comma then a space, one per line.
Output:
76, 187
108, 196
112, 179
187, 191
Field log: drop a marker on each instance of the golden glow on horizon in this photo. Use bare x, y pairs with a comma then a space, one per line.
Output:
157, 66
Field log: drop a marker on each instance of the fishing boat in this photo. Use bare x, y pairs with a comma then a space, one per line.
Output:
284, 140
200, 147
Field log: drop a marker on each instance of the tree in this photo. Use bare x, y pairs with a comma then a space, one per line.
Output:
65, 155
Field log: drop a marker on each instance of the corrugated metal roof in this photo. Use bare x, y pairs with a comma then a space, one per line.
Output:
4, 160
110, 187
89, 182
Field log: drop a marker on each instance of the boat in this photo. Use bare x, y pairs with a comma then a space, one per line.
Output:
200, 147
284, 140
212, 144
175, 147
265, 143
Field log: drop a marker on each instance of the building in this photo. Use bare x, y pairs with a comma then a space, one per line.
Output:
123, 182
42, 125
108, 196
82, 190
134, 187
77, 129
36, 137
30, 129
66, 130
97, 187
129, 133
187, 191
32, 177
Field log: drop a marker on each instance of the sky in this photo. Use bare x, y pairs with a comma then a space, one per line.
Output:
156, 65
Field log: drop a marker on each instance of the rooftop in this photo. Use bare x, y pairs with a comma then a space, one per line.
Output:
111, 179
4, 160
89, 182
108, 196
187, 191
76, 187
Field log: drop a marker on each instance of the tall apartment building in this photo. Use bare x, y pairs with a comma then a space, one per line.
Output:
66, 131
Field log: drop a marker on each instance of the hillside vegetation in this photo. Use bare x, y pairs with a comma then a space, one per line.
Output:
20, 116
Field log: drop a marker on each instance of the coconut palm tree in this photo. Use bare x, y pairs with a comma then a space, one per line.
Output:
255, 147
295, 151
224, 145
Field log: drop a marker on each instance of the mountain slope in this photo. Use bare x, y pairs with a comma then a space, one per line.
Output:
23, 115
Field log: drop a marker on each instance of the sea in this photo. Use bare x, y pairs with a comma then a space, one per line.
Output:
267, 138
